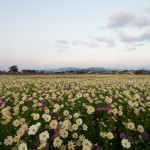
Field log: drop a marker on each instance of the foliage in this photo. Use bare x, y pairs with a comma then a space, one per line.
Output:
13, 69
29, 71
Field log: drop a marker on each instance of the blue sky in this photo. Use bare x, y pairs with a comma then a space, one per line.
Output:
37, 34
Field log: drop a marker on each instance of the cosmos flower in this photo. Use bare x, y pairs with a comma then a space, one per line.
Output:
43, 103
130, 125
79, 121
53, 124
63, 133
1, 102
145, 135
9, 140
109, 135
57, 142
90, 109
75, 127
140, 128
99, 109
122, 135
71, 145
98, 148
44, 136
22, 146
86, 144
32, 130
125, 143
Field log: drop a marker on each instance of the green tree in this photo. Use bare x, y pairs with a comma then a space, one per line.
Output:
13, 69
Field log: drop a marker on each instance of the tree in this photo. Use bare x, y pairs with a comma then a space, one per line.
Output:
13, 69
29, 71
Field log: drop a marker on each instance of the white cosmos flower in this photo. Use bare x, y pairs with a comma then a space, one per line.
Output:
84, 127
79, 121
140, 128
110, 135
125, 143
130, 125
57, 142
63, 133
32, 130
90, 109
75, 127
22, 146
44, 136
87, 145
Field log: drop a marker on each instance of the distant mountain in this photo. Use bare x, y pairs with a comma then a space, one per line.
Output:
91, 69
63, 69
96, 69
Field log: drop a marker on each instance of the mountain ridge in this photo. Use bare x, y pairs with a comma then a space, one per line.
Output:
91, 69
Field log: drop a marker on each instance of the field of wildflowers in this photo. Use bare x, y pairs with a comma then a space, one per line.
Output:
75, 112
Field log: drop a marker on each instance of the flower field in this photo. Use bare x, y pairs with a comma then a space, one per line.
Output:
75, 112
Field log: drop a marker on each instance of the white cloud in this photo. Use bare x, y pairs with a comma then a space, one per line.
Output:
122, 19
130, 49
62, 42
110, 41
144, 37
82, 43
141, 22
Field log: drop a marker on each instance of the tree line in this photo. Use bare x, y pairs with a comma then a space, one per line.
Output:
14, 69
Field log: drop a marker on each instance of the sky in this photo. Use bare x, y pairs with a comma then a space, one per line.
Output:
46, 34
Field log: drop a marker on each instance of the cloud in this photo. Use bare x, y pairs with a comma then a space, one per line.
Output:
82, 43
62, 45
130, 49
138, 44
148, 9
127, 38
61, 50
110, 41
121, 19
141, 22
93, 45
79, 43
145, 37
62, 42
